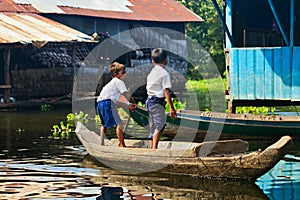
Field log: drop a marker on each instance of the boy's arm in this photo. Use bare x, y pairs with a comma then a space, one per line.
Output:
169, 101
128, 97
127, 103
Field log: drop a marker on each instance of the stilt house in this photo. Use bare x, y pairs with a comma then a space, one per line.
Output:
262, 39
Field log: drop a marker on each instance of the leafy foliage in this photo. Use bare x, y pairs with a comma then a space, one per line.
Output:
255, 110
177, 105
208, 34
64, 130
209, 94
202, 85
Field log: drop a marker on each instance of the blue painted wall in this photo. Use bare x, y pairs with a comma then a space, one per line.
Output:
265, 73
268, 71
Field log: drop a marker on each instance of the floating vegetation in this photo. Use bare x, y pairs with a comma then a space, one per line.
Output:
255, 110
46, 107
64, 129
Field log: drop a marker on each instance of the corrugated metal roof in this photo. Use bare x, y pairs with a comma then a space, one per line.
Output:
31, 28
140, 10
53, 6
11, 6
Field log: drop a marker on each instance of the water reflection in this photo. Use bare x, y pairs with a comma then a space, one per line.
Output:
282, 181
31, 181
164, 186
89, 179
35, 165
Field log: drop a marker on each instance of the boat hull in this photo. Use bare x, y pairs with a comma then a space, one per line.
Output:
236, 124
244, 166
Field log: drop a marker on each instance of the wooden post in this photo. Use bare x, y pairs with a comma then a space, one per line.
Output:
231, 107
227, 91
74, 51
6, 74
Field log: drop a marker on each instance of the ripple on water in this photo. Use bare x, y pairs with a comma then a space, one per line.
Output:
280, 182
27, 180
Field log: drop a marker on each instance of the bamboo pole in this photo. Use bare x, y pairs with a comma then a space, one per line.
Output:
6, 74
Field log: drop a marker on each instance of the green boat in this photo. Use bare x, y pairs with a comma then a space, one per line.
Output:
237, 124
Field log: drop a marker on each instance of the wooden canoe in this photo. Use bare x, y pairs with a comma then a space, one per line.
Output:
220, 159
180, 187
237, 124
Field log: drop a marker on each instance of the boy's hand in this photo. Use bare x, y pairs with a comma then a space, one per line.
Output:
132, 107
173, 113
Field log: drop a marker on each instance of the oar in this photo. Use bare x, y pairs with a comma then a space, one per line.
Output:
129, 117
127, 123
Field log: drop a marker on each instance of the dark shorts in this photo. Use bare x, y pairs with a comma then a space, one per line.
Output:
108, 113
157, 114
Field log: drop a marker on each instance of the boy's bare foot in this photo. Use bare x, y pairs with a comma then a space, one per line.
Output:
122, 145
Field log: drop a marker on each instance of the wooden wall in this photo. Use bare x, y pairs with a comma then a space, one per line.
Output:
265, 73
40, 83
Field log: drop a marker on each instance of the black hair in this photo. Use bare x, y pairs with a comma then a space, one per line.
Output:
158, 55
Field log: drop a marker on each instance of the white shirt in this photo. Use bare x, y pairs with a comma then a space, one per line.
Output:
113, 90
158, 80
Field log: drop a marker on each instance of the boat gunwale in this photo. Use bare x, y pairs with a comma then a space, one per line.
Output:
241, 117
210, 116
243, 122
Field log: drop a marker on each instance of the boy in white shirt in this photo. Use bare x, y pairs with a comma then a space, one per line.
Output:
109, 98
158, 85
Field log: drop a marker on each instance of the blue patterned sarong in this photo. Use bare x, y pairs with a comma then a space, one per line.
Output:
108, 113
157, 115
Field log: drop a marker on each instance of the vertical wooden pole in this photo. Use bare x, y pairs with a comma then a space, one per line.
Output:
7, 74
227, 91
74, 50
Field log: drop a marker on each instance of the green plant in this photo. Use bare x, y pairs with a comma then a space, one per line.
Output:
141, 104
63, 130
206, 94
206, 85
255, 110
81, 117
209, 34
97, 121
177, 105
46, 107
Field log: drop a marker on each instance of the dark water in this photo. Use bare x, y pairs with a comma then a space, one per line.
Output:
36, 165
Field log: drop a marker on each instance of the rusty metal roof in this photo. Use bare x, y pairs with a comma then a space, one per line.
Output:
11, 6
140, 10
32, 28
